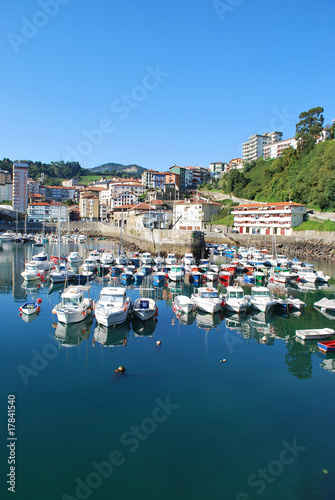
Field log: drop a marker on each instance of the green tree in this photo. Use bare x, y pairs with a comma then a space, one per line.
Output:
309, 127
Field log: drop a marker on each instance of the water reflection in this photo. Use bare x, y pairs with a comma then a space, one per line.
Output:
144, 328
73, 334
112, 336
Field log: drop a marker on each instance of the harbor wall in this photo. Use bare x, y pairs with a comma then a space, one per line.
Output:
315, 244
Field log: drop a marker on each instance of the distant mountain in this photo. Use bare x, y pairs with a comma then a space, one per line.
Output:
117, 168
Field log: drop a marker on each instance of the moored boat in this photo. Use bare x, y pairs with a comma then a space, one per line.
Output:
113, 306
327, 346
74, 307
183, 304
144, 308
314, 333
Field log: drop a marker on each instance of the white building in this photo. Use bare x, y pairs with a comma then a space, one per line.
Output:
126, 198
20, 186
43, 211
276, 149
122, 187
217, 169
253, 148
193, 214
268, 218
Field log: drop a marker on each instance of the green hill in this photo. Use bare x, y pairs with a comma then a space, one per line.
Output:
308, 179
118, 169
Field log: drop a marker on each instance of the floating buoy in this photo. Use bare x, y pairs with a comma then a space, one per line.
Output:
38, 301
264, 339
121, 369
223, 360
325, 471
158, 342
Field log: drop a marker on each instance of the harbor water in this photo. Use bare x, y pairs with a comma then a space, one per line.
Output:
214, 412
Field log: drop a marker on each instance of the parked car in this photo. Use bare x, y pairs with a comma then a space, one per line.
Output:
235, 231
217, 230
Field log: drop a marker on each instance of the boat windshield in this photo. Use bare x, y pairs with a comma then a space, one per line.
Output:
72, 301
260, 293
112, 298
236, 295
209, 295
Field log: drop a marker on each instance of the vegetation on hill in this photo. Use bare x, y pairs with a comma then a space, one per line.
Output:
56, 171
120, 170
303, 176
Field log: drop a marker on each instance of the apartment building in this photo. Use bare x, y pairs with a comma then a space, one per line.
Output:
253, 148
268, 218
20, 186
276, 149
146, 177
89, 206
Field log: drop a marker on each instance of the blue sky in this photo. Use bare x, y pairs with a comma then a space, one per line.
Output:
159, 83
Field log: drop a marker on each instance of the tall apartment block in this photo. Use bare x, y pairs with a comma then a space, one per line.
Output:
20, 186
253, 148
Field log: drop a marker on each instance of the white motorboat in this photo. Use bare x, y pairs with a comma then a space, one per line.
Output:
146, 258
31, 272
171, 259
62, 273
74, 258
175, 273
41, 259
188, 260
89, 265
74, 307
144, 308
235, 299
314, 333
325, 305
121, 259
107, 258
7, 236
261, 299
113, 306
183, 304
296, 303
207, 300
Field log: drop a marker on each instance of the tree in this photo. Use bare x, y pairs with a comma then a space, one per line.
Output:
308, 129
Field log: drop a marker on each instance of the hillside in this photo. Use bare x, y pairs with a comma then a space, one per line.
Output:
118, 169
308, 179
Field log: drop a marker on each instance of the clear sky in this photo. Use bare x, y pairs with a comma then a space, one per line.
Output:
159, 83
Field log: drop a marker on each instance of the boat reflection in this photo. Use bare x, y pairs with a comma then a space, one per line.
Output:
261, 324
184, 318
112, 336
144, 328
73, 334
27, 318
33, 287
207, 321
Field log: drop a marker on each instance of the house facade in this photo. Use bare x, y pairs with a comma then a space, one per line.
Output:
194, 214
268, 218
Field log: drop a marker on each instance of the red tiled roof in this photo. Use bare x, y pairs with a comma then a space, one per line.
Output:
256, 205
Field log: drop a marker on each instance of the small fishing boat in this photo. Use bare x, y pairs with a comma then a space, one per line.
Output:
171, 259
207, 300
261, 299
144, 308
325, 304
31, 272
138, 278
30, 308
176, 273
183, 304
235, 299
74, 307
327, 346
314, 333
113, 306
62, 273
74, 258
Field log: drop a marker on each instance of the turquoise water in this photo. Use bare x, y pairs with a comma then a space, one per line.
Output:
179, 423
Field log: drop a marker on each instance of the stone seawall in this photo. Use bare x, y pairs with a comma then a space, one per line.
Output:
301, 244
